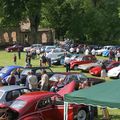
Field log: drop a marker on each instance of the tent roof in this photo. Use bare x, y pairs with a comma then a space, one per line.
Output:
104, 94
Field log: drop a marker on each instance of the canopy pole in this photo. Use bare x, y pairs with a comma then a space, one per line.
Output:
65, 110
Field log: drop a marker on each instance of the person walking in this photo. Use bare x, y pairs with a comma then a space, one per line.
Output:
44, 82
67, 63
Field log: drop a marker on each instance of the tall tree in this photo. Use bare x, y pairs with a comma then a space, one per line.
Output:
18, 10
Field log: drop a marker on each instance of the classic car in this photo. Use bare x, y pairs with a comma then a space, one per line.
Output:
33, 46
114, 72
37, 71
43, 105
87, 67
9, 93
14, 48
62, 79
82, 59
96, 71
5, 72
100, 51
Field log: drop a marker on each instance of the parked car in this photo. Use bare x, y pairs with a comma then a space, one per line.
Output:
100, 51
87, 67
43, 105
63, 79
48, 48
114, 72
33, 47
9, 93
82, 59
14, 48
5, 72
96, 71
37, 71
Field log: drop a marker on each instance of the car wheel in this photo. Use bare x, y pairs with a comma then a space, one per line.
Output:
82, 115
76, 67
119, 76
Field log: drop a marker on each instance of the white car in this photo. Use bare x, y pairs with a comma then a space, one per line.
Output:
114, 72
99, 52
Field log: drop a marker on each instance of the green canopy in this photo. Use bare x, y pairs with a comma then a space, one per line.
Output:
104, 94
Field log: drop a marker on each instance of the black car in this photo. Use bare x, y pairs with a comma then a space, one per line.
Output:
37, 71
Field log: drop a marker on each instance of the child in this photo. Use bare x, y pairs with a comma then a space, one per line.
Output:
15, 59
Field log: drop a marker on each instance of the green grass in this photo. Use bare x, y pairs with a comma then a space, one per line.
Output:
7, 59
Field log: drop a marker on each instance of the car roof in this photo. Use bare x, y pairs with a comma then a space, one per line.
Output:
13, 66
11, 87
68, 73
33, 96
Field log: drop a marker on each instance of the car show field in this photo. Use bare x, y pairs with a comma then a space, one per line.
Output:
6, 58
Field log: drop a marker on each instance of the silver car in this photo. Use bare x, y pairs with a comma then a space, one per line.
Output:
9, 93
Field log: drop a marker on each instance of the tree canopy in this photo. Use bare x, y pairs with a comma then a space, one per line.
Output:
85, 20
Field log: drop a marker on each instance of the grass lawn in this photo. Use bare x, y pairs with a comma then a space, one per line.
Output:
7, 59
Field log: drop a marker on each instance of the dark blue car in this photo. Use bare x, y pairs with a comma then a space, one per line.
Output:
5, 72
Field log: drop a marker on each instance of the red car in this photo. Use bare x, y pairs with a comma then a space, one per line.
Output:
14, 48
83, 59
44, 105
96, 71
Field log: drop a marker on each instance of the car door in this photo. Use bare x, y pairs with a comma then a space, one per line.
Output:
11, 96
46, 109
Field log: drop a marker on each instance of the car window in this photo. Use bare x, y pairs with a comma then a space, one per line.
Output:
48, 70
72, 77
45, 102
4, 70
12, 95
23, 91
18, 104
25, 72
1, 94
57, 100
39, 71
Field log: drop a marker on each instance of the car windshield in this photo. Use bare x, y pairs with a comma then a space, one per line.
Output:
25, 72
82, 77
4, 70
1, 94
18, 104
56, 77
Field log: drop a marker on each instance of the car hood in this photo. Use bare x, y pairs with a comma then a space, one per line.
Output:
67, 89
114, 69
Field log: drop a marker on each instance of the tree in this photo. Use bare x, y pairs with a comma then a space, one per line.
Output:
15, 11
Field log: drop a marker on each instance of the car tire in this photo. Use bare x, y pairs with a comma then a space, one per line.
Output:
76, 67
119, 76
82, 114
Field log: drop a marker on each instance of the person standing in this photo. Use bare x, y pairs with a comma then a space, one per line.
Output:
67, 63
15, 59
32, 81
19, 53
103, 71
44, 82
11, 80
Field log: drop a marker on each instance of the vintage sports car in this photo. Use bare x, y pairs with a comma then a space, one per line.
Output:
87, 67
14, 48
43, 105
62, 79
37, 71
5, 72
82, 59
96, 71
9, 93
